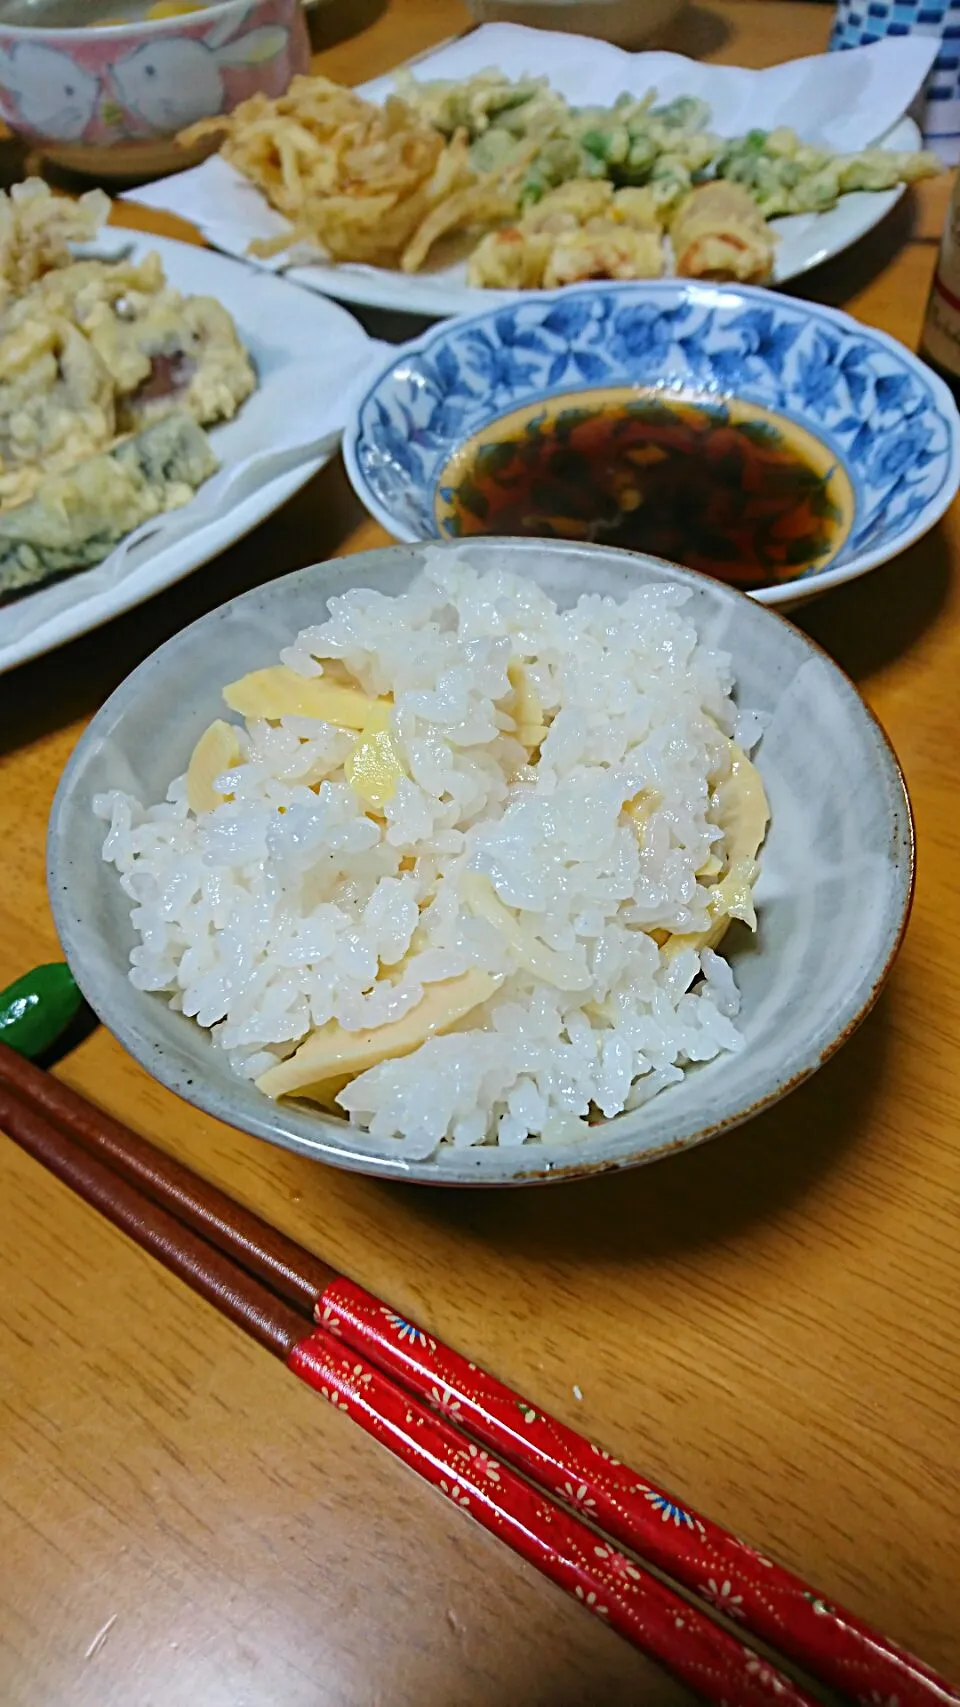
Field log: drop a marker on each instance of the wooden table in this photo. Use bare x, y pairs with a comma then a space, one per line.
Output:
769, 1324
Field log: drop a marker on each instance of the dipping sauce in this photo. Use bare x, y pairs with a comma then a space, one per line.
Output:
719, 485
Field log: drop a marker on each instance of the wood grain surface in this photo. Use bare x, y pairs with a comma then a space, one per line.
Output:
769, 1324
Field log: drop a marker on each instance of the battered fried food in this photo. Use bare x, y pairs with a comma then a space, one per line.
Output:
36, 230
158, 346
487, 101
92, 352
78, 517
482, 155
720, 233
481, 205
356, 181
784, 175
582, 230
56, 403
96, 349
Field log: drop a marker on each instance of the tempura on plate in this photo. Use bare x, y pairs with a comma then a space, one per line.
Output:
356, 180
544, 191
91, 352
583, 230
37, 229
718, 232
78, 516
784, 175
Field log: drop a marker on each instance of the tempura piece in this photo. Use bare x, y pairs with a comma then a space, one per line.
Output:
719, 233
75, 288
583, 230
56, 403
77, 517
107, 376
670, 184
510, 259
36, 230
95, 349
478, 205
609, 251
640, 209
158, 348
631, 138
786, 175
356, 181
884, 168
569, 207
687, 113
489, 98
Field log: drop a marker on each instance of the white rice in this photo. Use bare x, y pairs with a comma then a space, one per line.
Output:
263, 924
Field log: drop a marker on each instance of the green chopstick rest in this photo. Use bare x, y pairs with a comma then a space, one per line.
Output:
37, 1009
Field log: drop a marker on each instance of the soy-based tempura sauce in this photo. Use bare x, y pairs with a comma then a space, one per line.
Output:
721, 486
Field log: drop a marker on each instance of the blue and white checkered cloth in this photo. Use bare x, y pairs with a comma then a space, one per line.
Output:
861, 21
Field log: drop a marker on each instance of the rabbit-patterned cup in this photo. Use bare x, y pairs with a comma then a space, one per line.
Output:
109, 98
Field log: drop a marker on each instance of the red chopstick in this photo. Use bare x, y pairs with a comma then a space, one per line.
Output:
606, 1582
763, 1597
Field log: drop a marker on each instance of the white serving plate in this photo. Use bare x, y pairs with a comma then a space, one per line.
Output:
308, 354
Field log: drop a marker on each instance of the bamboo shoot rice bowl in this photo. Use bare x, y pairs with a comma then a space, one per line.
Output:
462, 871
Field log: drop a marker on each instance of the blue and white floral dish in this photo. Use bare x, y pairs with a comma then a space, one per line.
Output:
886, 419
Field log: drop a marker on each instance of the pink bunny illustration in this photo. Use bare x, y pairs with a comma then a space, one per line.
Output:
54, 97
170, 83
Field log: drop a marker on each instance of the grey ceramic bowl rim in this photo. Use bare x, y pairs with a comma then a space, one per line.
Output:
150, 1054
